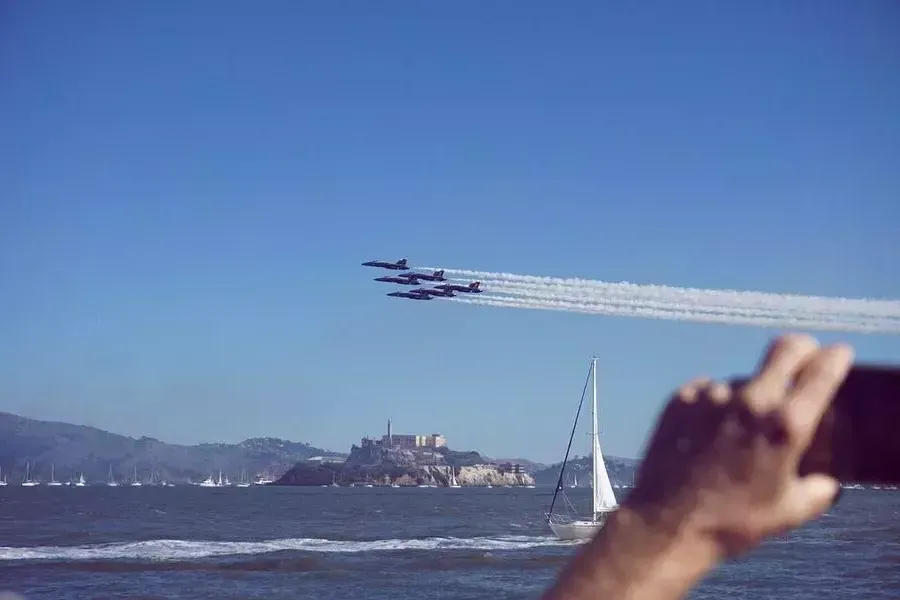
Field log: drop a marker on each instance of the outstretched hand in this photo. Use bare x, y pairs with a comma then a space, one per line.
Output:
722, 466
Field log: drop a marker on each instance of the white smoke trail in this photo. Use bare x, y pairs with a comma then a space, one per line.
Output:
694, 296
579, 295
686, 315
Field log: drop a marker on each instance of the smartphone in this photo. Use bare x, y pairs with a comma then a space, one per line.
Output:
858, 439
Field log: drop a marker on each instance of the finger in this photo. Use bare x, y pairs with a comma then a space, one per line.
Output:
814, 390
784, 359
719, 393
809, 498
688, 392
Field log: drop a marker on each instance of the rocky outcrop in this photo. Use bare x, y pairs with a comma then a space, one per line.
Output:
494, 475
380, 465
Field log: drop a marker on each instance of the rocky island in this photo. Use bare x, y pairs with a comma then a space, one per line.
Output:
407, 460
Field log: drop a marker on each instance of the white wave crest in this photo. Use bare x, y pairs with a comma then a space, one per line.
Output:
168, 550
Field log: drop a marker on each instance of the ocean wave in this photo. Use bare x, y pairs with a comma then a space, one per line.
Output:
168, 550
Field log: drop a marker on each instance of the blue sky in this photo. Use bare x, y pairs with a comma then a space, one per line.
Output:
188, 189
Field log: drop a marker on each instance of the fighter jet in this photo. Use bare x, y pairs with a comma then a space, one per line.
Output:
441, 293
400, 280
436, 276
400, 265
472, 288
409, 295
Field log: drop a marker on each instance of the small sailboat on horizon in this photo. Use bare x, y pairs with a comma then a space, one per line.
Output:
135, 482
28, 481
244, 482
53, 482
110, 479
453, 483
603, 498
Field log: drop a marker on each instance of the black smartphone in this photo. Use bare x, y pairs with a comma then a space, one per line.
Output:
858, 440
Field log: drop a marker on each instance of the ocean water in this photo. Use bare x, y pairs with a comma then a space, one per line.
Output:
377, 543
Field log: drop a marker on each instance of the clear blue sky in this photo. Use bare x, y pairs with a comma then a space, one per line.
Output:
188, 189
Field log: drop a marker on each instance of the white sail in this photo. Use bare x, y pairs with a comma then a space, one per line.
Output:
603, 496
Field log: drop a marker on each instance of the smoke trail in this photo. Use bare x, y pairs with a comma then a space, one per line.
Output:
581, 295
697, 296
685, 315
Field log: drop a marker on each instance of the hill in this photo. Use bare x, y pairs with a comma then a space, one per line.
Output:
78, 448
620, 471
530, 465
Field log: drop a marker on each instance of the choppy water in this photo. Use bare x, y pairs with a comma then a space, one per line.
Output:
378, 543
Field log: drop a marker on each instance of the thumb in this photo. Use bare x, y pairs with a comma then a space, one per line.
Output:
809, 498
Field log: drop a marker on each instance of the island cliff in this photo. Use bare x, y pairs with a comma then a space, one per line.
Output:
381, 465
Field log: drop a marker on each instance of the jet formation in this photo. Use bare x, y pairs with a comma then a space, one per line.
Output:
413, 278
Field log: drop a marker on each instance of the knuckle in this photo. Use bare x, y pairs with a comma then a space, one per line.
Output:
756, 393
688, 392
719, 393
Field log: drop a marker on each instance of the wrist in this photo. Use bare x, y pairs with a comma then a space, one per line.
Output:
637, 555
679, 551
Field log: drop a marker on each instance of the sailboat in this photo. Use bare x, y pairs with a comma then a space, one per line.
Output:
110, 480
243, 482
28, 481
81, 482
135, 482
53, 482
603, 499
453, 482
2, 478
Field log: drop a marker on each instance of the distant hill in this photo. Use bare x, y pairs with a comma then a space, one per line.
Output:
620, 471
77, 448
530, 465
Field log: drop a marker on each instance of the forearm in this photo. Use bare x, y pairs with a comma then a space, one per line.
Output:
633, 560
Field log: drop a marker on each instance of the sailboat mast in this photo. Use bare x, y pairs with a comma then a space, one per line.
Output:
595, 444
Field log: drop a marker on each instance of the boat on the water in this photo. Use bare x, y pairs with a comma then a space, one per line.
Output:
28, 481
244, 482
603, 498
453, 483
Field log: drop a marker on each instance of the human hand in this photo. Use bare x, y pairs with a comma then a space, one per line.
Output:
722, 466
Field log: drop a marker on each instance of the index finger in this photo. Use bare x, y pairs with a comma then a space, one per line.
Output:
783, 361
814, 389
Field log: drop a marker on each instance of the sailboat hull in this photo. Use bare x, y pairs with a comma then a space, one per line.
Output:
577, 529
